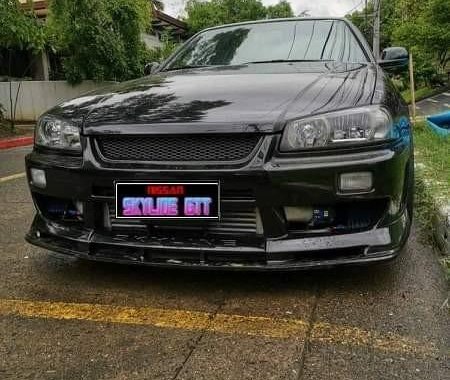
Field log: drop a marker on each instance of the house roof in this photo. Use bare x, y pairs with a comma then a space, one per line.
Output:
164, 21
40, 7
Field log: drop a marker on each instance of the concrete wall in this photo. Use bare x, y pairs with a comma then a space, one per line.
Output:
36, 97
151, 41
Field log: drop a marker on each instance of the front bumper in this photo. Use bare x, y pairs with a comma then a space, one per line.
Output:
270, 244
377, 245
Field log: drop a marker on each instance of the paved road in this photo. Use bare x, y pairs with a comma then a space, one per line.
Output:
65, 319
435, 104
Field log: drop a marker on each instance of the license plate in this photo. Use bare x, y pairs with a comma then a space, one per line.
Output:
167, 200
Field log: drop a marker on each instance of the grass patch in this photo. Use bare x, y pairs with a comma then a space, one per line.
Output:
433, 160
421, 93
5, 130
432, 155
20, 130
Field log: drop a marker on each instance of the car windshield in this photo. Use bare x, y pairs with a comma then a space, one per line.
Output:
297, 40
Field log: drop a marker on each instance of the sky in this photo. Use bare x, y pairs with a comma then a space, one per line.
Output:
336, 8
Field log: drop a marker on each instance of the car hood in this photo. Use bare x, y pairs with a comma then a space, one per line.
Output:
248, 98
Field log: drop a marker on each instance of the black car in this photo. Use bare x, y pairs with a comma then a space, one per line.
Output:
275, 144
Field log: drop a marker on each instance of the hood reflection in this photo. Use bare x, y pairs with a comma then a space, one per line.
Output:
255, 95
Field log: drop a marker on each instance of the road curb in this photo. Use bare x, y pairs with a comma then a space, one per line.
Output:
16, 142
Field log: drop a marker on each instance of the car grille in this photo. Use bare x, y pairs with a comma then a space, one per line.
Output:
239, 215
179, 148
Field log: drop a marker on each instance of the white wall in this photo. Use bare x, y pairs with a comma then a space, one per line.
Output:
151, 41
36, 97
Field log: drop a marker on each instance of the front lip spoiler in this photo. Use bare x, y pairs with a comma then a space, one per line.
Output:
371, 251
287, 265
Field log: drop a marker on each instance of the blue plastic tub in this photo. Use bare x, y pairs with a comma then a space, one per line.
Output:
440, 124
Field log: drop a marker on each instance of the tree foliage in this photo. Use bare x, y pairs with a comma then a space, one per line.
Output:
363, 19
281, 10
19, 29
203, 14
426, 31
160, 53
99, 39
422, 26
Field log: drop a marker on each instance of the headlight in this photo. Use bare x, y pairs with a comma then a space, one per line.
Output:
358, 125
56, 133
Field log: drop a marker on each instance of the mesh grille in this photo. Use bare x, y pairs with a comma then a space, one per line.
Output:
199, 148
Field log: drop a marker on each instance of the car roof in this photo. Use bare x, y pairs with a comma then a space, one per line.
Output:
265, 21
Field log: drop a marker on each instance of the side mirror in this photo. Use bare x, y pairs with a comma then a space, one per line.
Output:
150, 68
394, 59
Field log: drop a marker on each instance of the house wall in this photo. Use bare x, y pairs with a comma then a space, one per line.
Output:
151, 40
36, 97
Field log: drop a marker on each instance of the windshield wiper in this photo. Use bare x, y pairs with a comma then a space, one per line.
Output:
247, 63
187, 67
288, 60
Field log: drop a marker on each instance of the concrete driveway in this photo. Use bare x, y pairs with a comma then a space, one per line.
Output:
65, 319
433, 105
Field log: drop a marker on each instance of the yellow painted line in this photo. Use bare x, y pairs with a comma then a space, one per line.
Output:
105, 313
276, 328
354, 336
259, 326
12, 177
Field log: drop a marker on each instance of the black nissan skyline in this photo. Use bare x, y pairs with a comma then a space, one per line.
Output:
267, 145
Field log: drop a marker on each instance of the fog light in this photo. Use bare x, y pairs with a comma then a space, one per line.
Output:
360, 181
298, 214
38, 178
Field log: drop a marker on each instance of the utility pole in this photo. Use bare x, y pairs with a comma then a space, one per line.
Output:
376, 30
365, 18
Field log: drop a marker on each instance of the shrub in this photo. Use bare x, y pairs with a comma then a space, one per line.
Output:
161, 53
99, 39
2, 113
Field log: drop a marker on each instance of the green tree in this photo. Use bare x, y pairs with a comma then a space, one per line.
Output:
281, 10
422, 26
363, 19
19, 30
159, 54
437, 39
202, 14
99, 39
427, 30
